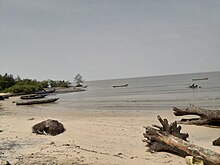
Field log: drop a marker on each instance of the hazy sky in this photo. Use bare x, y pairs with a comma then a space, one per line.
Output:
105, 39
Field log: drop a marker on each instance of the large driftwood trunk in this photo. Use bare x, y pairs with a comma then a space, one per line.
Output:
206, 117
168, 138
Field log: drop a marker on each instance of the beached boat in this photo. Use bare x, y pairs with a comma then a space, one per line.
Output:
80, 86
123, 85
2, 98
197, 79
37, 101
33, 96
46, 91
6, 95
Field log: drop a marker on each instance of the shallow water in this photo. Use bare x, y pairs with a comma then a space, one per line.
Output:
146, 93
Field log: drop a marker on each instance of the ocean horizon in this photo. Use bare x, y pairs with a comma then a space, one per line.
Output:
147, 93
151, 76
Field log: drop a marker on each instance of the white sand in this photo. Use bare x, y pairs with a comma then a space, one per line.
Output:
91, 137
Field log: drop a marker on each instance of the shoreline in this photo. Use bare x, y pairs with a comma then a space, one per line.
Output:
91, 137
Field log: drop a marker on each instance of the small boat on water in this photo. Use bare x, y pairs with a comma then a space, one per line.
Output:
197, 79
194, 86
37, 101
123, 85
33, 96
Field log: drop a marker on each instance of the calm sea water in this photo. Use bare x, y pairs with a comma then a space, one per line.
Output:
146, 93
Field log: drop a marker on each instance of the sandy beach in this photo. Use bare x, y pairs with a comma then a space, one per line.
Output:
91, 137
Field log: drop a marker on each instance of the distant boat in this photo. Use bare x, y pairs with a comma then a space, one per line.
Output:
196, 79
123, 85
193, 86
33, 96
37, 101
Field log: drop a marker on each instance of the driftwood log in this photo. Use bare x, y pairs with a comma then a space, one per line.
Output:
216, 142
168, 138
51, 127
206, 117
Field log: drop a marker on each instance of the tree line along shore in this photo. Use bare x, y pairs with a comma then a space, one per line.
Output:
16, 85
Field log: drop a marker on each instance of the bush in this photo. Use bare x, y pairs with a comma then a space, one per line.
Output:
24, 89
26, 86
6, 81
59, 83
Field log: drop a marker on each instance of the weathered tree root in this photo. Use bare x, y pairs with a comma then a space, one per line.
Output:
51, 127
206, 117
168, 138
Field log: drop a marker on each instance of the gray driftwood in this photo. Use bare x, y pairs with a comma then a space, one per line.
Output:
169, 138
51, 127
206, 117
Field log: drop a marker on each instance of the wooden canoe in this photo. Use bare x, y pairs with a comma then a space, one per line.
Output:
123, 85
33, 96
37, 101
197, 79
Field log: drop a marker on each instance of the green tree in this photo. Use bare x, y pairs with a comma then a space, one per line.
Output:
6, 81
26, 86
78, 80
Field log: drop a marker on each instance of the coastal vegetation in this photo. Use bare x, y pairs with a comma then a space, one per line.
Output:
26, 86
59, 83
